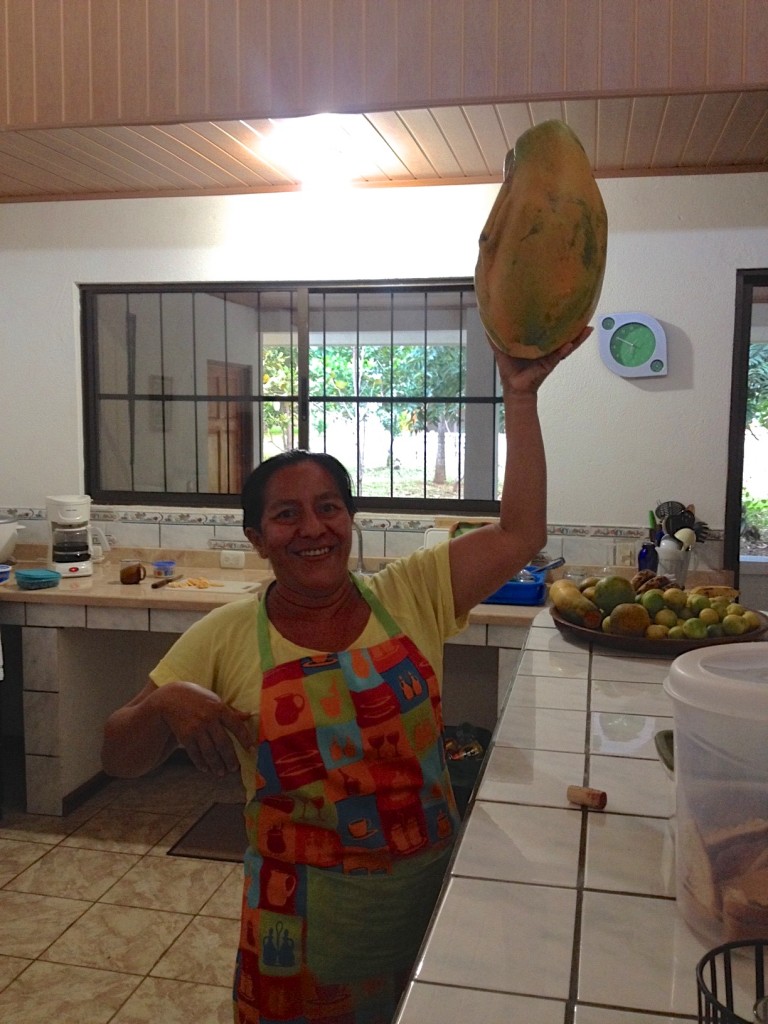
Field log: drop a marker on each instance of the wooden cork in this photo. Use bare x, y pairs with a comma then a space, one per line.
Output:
586, 797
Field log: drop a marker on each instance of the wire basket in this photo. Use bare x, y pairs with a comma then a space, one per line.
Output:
731, 982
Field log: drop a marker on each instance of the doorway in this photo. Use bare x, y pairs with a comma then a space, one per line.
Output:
746, 516
230, 426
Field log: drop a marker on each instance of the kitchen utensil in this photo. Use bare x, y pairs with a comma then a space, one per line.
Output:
678, 521
165, 581
669, 508
687, 537
530, 573
701, 530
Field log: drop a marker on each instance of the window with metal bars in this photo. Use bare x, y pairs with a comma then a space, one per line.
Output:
187, 387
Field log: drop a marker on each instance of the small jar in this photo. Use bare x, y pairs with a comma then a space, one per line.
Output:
162, 569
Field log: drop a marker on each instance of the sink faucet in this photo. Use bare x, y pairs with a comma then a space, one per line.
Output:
360, 563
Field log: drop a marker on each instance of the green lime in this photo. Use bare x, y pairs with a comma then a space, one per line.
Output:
715, 630
676, 633
695, 629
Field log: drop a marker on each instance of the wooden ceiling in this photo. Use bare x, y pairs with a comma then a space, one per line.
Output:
114, 98
660, 134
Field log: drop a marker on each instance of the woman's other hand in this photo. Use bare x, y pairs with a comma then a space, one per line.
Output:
145, 731
205, 726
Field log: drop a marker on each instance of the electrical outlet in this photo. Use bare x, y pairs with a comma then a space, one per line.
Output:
232, 559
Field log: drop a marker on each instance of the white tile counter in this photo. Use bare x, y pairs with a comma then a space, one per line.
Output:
553, 914
88, 645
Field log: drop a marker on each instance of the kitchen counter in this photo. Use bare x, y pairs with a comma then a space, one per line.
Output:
551, 913
87, 646
104, 590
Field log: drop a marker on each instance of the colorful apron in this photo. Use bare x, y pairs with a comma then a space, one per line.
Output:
350, 830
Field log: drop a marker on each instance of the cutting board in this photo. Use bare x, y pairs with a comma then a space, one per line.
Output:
221, 587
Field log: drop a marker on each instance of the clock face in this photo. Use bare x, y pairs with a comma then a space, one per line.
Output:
633, 345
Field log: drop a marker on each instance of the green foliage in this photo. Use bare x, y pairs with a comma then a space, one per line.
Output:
754, 513
757, 386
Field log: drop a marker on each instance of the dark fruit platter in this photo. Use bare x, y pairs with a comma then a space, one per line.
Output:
642, 645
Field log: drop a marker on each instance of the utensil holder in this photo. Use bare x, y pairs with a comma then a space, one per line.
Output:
731, 982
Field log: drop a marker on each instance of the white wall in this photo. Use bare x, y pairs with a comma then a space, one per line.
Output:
615, 446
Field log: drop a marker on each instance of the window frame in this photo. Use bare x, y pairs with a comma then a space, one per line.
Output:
301, 395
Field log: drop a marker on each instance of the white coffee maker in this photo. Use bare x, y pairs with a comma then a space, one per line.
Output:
71, 545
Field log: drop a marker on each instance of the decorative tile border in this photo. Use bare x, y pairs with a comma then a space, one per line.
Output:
394, 523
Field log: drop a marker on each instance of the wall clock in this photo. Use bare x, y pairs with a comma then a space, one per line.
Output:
633, 345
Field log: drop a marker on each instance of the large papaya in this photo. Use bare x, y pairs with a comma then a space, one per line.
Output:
543, 249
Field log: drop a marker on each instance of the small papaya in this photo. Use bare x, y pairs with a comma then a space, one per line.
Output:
543, 249
574, 607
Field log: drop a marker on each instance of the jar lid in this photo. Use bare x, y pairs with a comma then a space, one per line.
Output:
729, 679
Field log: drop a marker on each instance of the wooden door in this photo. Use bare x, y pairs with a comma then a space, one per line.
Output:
230, 427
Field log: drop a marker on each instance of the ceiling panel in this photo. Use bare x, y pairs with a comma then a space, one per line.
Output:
655, 134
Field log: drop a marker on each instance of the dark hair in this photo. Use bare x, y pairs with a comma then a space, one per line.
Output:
255, 486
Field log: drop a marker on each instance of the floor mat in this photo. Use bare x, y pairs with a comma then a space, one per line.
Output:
218, 835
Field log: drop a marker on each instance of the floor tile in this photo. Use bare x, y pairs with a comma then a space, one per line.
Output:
531, 776
226, 901
204, 952
159, 1001
120, 829
507, 954
651, 867
15, 857
123, 939
77, 874
435, 1004
60, 992
10, 967
31, 922
161, 883
520, 844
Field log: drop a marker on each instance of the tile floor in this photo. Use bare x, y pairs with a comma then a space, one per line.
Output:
98, 925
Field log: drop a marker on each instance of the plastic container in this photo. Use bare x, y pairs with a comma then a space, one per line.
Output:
720, 700
530, 592
5, 573
37, 579
162, 569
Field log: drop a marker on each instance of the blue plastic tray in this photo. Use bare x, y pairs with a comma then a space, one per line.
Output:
531, 592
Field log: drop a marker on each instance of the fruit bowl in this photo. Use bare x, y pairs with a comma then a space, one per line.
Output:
643, 645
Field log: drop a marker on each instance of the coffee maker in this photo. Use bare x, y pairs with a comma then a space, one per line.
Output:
71, 545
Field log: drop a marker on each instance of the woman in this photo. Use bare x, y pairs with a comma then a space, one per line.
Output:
326, 695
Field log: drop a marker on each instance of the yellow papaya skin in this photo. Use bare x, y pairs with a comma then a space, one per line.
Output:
543, 249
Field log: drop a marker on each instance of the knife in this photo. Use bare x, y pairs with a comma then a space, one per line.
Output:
166, 581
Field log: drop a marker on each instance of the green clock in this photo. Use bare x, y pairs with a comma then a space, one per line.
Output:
633, 345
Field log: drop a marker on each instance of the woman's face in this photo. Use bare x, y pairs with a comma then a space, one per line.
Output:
306, 530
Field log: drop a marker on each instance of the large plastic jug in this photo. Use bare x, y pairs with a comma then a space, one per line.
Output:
720, 699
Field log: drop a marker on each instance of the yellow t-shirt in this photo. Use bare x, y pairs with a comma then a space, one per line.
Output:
221, 651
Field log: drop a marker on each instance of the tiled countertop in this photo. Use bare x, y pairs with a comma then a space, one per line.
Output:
553, 914
104, 590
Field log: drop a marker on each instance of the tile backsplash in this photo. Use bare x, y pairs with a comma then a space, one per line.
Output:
384, 536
